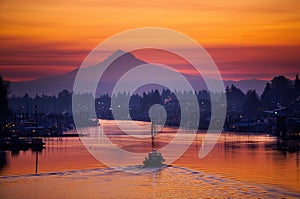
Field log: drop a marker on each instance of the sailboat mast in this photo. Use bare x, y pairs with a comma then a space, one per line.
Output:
152, 134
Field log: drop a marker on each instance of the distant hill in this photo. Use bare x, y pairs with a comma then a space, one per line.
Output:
245, 85
54, 84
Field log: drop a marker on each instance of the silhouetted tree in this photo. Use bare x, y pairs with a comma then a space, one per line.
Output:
4, 108
65, 100
296, 106
235, 98
278, 93
251, 105
297, 87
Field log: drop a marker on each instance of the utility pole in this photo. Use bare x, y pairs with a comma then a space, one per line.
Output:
152, 134
36, 135
36, 120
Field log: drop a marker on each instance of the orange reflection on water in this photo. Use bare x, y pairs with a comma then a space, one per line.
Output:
252, 157
246, 157
60, 154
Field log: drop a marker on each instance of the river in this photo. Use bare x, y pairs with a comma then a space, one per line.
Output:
241, 165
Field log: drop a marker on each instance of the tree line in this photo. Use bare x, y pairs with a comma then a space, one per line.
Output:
279, 92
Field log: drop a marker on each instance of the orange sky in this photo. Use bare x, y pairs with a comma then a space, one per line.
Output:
247, 39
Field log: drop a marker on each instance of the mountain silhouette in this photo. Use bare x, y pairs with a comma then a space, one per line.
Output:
54, 84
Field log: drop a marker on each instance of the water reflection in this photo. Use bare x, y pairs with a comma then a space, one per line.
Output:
284, 146
245, 141
247, 157
16, 152
3, 160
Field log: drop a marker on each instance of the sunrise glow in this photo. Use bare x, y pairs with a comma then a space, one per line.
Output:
247, 39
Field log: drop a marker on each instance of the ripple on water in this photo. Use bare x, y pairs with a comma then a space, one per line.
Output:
170, 182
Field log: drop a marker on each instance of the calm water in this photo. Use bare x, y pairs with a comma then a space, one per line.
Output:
239, 166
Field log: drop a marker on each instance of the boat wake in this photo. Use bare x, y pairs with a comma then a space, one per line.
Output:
163, 182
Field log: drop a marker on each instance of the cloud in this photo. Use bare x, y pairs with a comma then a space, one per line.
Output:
234, 62
41, 34
22, 59
262, 62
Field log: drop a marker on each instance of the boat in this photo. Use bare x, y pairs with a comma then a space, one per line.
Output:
154, 159
21, 143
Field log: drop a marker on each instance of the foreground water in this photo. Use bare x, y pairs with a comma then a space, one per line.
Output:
170, 182
239, 166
